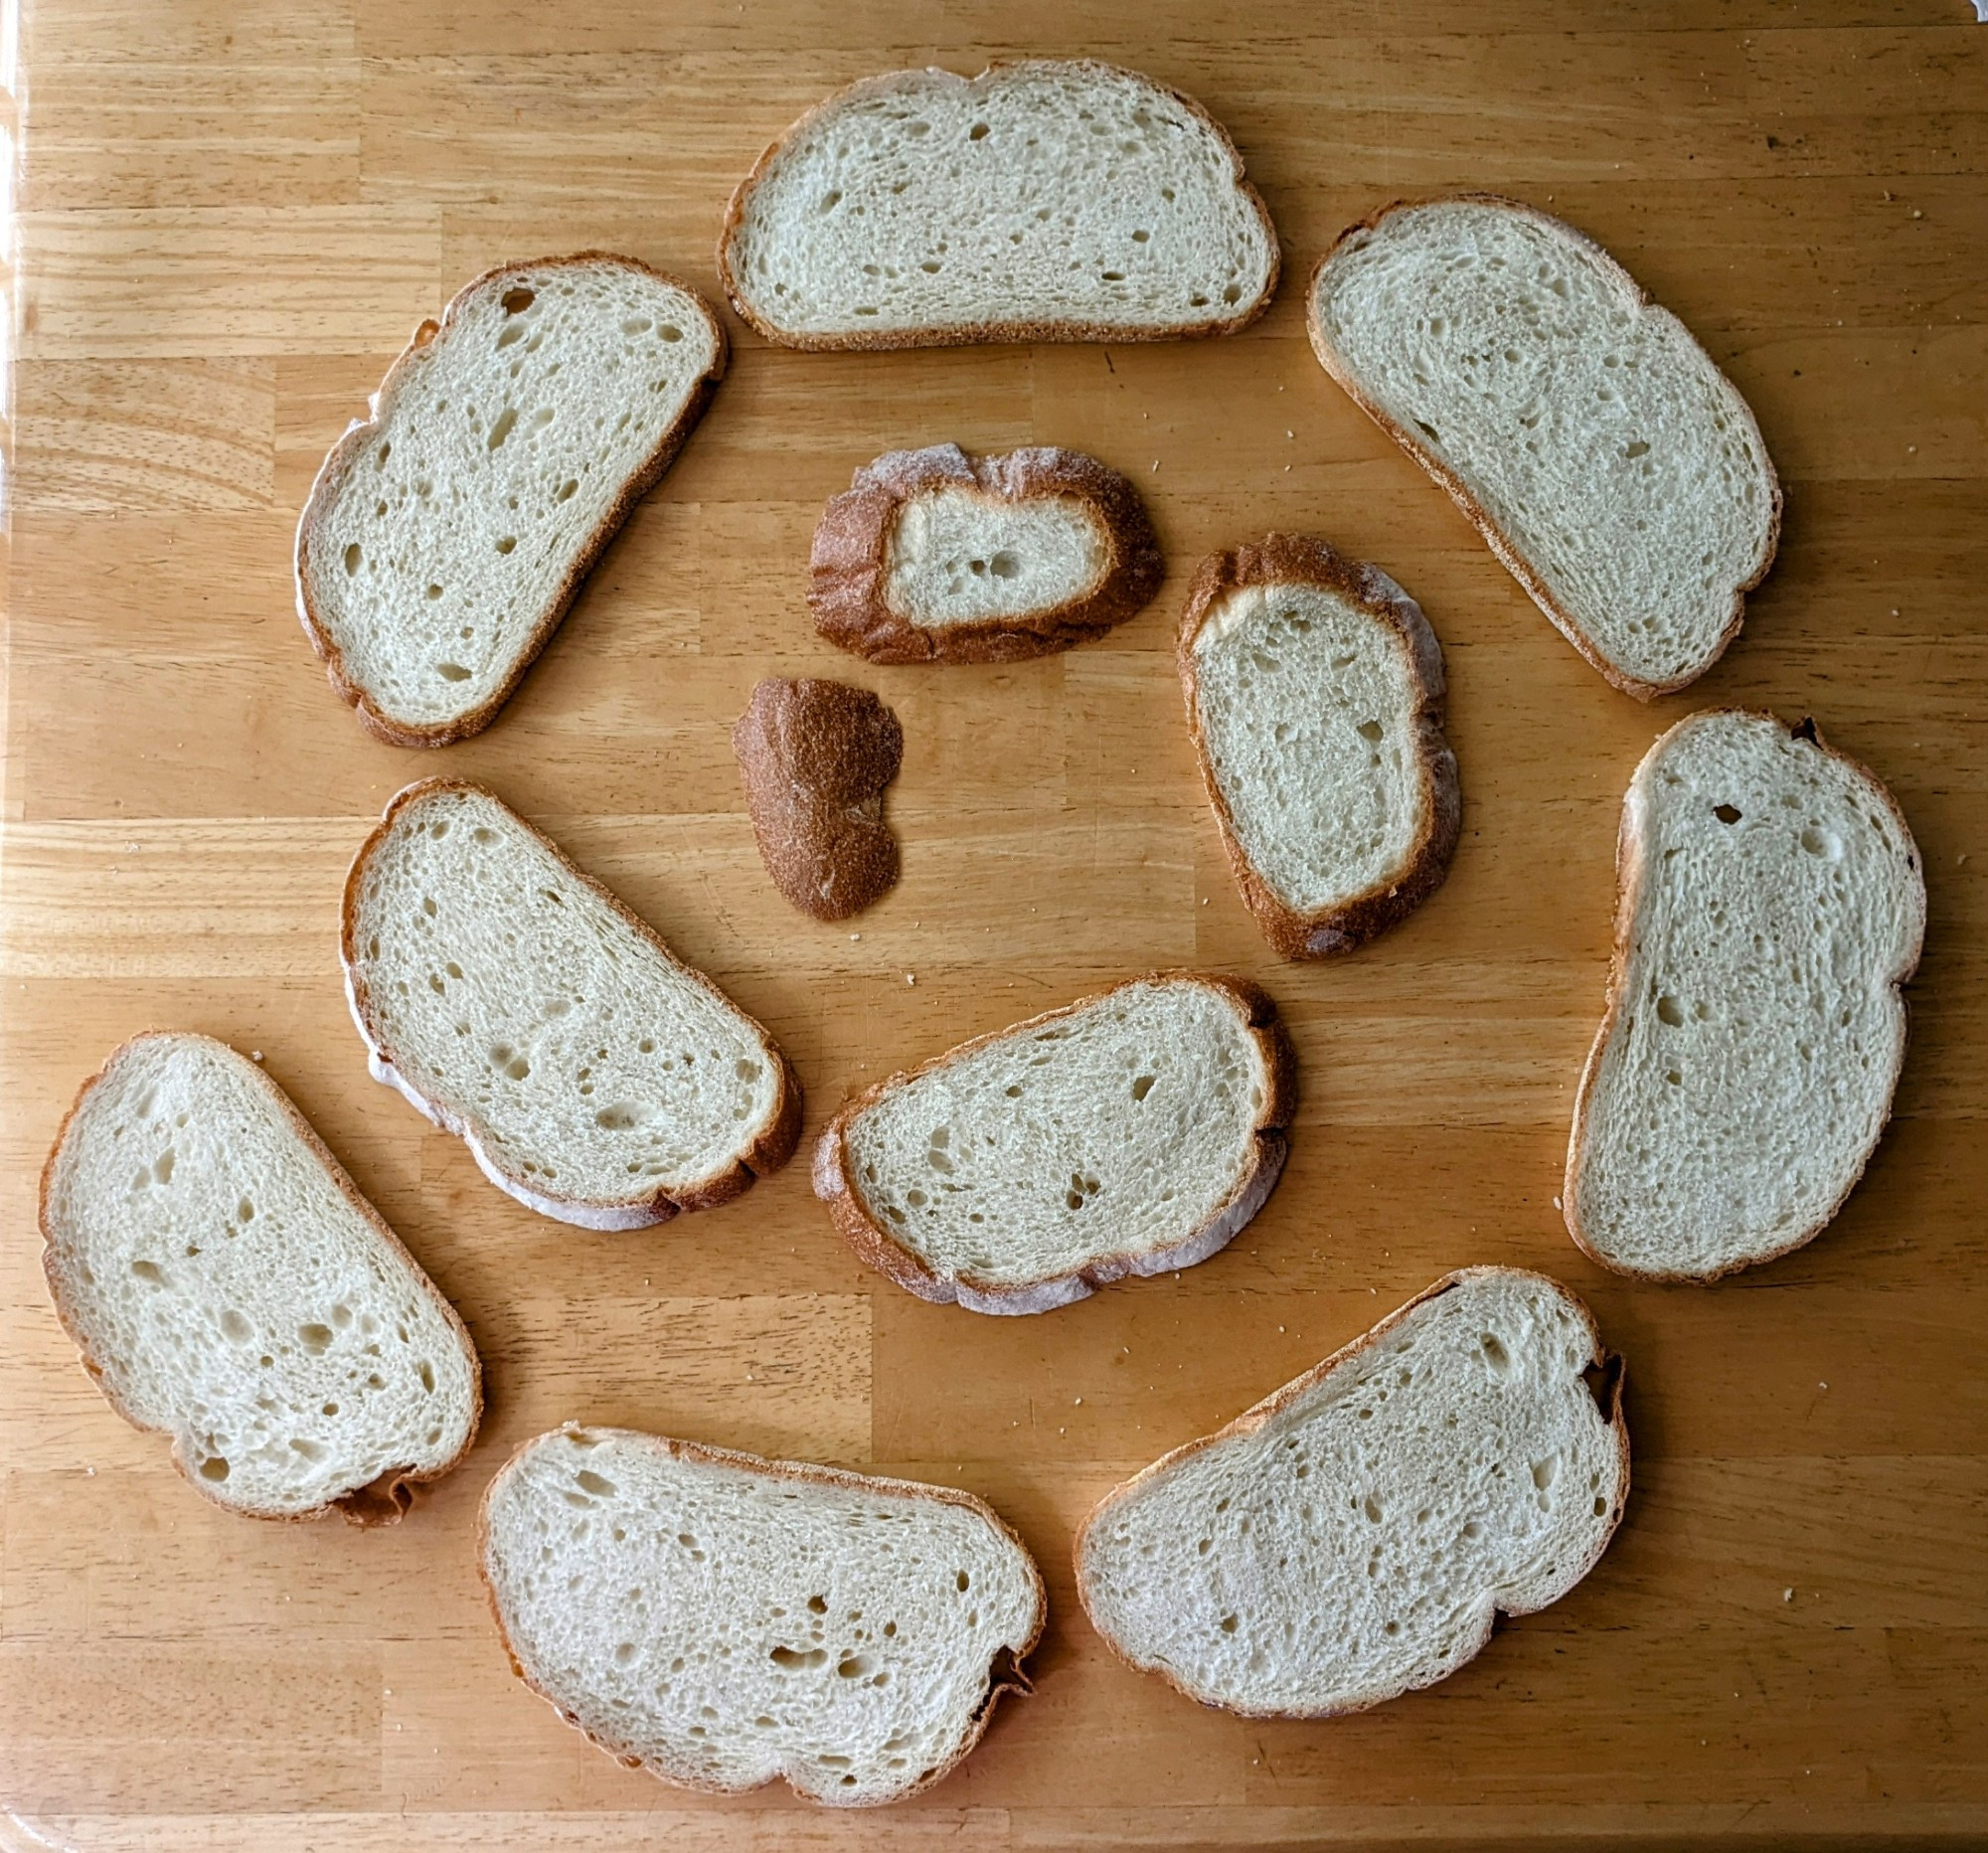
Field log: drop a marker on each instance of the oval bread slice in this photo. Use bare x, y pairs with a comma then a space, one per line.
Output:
1354, 1535
721, 1620
1770, 906
522, 1006
1127, 1133
226, 1285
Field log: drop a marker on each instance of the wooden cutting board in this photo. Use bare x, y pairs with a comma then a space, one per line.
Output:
230, 216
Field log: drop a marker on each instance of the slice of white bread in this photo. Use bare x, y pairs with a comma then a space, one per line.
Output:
1771, 903
1592, 441
934, 555
1315, 691
226, 1285
1352, 1536
447, 532
1127, 1133
1044, 200
719, 1619
520, 1005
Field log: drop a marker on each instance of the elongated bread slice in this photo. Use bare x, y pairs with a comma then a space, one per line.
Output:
1771, 903
1044, 200
1352, 1536
447, 532
933, 556
719, 1619
1127, 1133
1314, 692
1592, 441
226, 1285
520, 1005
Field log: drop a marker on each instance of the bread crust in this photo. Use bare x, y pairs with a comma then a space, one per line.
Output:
849, 559
345, 454
1283, 559
1013, 1679
769, 1149
1630, 874
381, 1501
1500, 543
873, 1245
967, 334
1615, 1375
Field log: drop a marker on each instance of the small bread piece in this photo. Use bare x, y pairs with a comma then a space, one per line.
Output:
1352, 1536
1314, 693
937, 557
523, 1008
1044, 200
226, 1285
720, 1621
1129, 1133
1579, 427
1770, 905
447, 532
815, 757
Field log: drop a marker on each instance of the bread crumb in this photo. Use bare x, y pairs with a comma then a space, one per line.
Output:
1076, 1402
1788, 1595
855, 936
910, 977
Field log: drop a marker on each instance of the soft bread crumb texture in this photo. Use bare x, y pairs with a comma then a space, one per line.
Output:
960, 556
729, 1621
229, 1293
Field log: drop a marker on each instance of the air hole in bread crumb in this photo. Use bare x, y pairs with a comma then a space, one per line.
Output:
452, 672
1727, 813
1369, 730
353, 558
1495, 1354
1227, 1624
214, 1467
1669, 1011
517, 301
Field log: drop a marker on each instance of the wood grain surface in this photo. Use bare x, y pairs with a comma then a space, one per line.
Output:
231, 213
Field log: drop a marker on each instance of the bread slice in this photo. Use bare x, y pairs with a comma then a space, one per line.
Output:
934, 555
1354, 1535
228, 1285
447, 532
720, 1621
1592, 441
1127, 1133
1044, 200
1314, 694
520, 1005
1771, 903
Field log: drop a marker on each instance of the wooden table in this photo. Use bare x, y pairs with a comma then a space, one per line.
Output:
230, 214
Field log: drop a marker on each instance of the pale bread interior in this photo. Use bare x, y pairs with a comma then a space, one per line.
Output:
961, 556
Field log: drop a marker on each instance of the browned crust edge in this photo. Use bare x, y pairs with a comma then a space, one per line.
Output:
1279, 559
382, 1501
1630, 874
1495, 538
967, 334
849, 559
1253, 1418
1013, 1679
875, 1247
767, 1152
358, 438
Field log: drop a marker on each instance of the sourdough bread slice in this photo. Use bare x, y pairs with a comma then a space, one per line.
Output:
520, 1005
1127, 1133
721, 1620
1771, 905
447, 532
1354, 1535
1044, 200
228, 1285
934, 555
1315, 691
1592, 442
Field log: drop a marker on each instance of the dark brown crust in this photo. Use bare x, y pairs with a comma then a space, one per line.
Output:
772, 1149
875, 1247
1014, 1681
1629, 873
346, 453
1501, 544
382, 1501
815, 759
849, 561
1614, 1374
1283, 559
